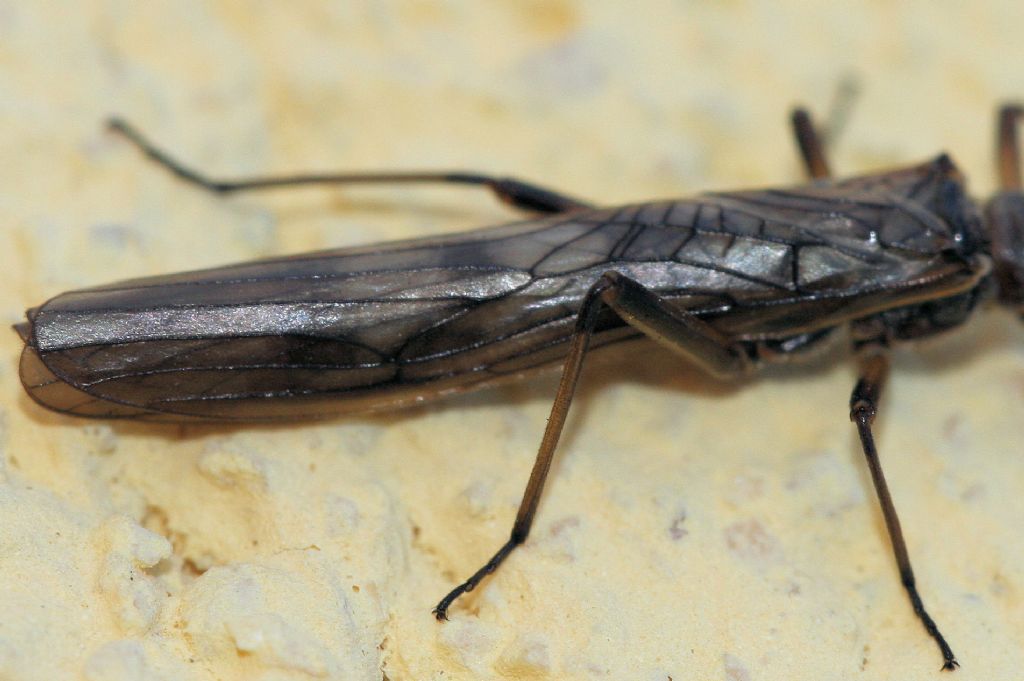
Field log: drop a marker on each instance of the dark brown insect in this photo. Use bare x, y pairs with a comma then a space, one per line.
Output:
729, 280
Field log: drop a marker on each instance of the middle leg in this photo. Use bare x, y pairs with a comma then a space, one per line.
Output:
863, 407
809, 141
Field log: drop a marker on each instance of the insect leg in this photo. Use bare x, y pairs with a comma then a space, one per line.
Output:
812, 149
863, 407
519, 194
646, 311
812, 139
1009, 152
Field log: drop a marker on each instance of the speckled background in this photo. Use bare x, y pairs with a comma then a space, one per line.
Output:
690, 530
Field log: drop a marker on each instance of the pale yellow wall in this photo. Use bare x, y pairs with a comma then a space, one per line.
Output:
317, 551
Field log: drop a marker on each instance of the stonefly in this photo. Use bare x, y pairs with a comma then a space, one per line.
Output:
729, 280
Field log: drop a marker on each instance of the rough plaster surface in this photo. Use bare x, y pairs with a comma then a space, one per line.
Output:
691, 531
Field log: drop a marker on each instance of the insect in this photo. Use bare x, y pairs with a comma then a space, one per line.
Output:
729, 280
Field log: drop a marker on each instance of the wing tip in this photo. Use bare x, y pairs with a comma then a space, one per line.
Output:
50, 391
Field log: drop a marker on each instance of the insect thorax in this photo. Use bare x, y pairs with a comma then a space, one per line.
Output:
924, 319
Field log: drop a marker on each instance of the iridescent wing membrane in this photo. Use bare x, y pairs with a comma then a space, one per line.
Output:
355, 329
